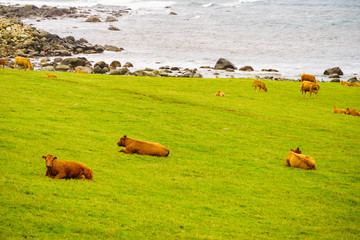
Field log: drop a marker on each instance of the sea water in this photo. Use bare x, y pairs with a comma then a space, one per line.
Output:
292, 36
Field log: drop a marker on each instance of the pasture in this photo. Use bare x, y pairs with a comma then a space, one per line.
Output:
225, 177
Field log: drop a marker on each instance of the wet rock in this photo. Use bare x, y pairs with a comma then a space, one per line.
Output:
353, 79
128, 64
333, 76
223, 64
246, 68
98, 69
269, 70
335, 80
47, 68
197, 75
173, 13
122, 71
101, 64
112, 48
85, 69
111, 19
74, 62
334, 70
112, 28
115, 64
93, 19
62, 68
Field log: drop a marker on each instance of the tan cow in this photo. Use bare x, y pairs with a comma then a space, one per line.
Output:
308, 77
51, 75
66, 169
297, 160
24, 62
3, 62
352, 112
260, 85
143, 148
337, 110
219, 94
309, 87
78, 71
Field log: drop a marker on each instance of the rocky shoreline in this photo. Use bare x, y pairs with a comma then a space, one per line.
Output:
47, 51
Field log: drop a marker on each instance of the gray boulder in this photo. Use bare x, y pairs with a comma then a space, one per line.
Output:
353, 79
48, 68
98, 69
62, 68
93, 19
246, 68
335, 80
74, 62
223, 64
334, 70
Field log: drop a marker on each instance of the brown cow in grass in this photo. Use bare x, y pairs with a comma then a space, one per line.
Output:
66, 169
24, 62
3, 62
219, 94
308, 77
260, 85
143, 148
51, 75
337, 110
352, 112
297, 160
309, 87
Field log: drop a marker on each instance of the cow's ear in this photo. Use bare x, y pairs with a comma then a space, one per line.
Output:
43, 157
124, 136
54, 158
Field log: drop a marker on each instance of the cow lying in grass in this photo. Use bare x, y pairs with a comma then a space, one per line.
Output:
79, 71
337, 110
219, 94
50, 75
24, 62
143, 148
66, 169
352, 112
258, 84
308, 77
3, 62
309, 87
297, 160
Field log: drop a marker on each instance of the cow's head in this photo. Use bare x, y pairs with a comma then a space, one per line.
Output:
297, 150
121, 142
49, 160
265, 89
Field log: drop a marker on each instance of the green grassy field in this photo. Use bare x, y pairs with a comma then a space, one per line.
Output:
225, 177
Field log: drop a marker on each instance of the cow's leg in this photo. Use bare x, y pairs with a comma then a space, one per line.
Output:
60, 176
124, 151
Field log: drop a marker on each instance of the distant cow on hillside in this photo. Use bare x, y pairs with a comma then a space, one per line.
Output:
66, 169
259, 84
308, 77
352, 112
219, 94
309, 87
24, 62
337, 110
143, 148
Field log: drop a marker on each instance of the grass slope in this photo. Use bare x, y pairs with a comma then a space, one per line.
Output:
225, 177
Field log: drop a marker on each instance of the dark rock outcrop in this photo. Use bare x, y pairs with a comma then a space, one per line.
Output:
223, 64
334, 70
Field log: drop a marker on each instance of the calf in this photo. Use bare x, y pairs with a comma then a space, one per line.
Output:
309, 87
50, 75
308, 77
337, 110
143, 148
219, 94
352, 112
66, 169
297, 160
260, 85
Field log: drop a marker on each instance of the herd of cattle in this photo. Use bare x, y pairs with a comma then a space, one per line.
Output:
68, 169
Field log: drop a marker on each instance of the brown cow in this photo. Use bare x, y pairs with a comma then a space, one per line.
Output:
78, 71
352, 112
24, 62
66, 169
51, 75
309, 87
297, 160
308, 77
337, 110
143, 148
219, 94
3, 62
297, 150
354, 84
260, 85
